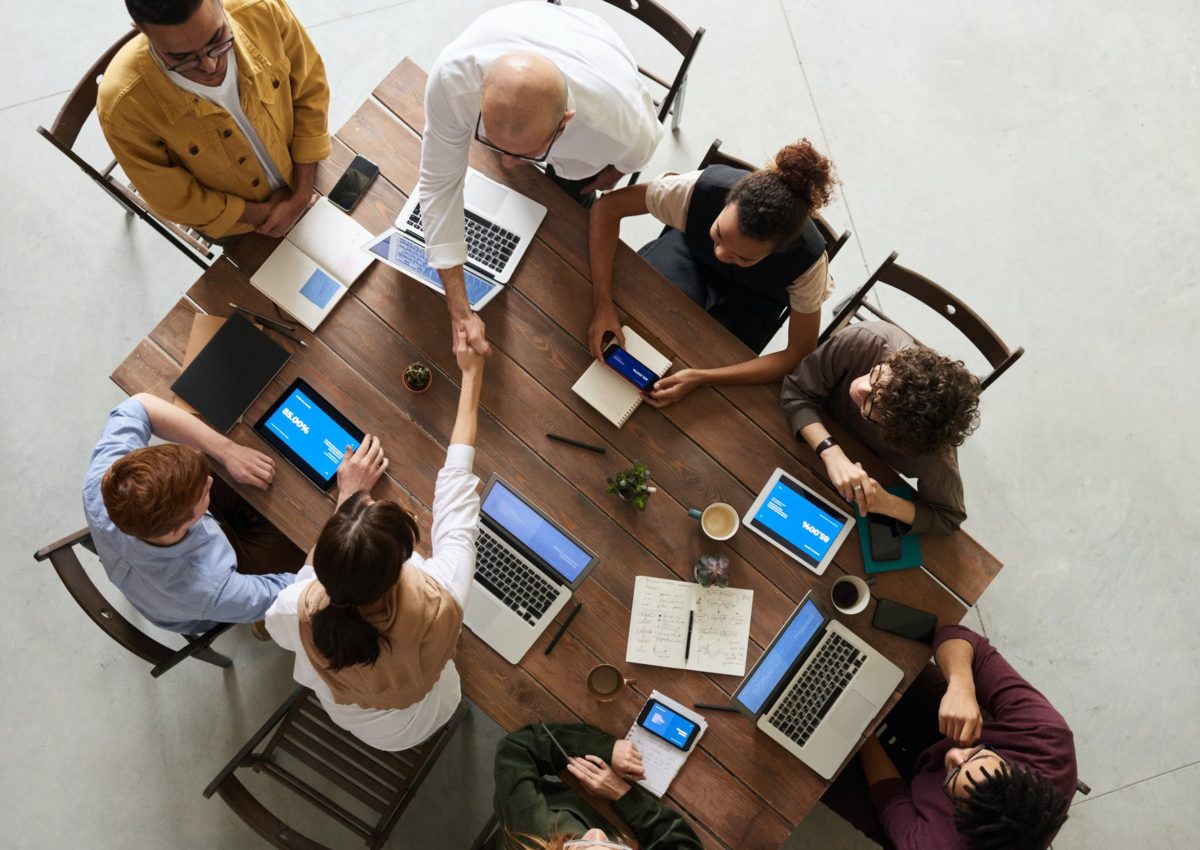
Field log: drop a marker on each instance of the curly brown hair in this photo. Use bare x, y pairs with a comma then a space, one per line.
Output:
928, 403
776, 202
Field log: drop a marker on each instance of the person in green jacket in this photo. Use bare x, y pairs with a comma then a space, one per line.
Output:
537, 811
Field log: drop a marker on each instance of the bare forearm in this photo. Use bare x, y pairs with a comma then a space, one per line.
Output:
171, 423
603, 235
303, 176
876, 764
956, 659
761, 370
813, 433
455, 284
466, 422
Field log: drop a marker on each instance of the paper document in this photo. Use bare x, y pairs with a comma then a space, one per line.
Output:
660, 760
315, 265
602, 388
659, 620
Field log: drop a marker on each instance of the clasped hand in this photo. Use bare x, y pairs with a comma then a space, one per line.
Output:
959, 716
609, 783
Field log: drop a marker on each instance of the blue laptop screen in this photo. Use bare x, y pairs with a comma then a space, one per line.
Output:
525, 524
798, 521
311, 433
773, 666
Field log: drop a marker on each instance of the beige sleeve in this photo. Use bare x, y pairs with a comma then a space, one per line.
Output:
669, 196
808, 292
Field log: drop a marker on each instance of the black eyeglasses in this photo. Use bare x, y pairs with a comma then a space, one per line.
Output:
537, 159
212, 52
869, 404
953, 775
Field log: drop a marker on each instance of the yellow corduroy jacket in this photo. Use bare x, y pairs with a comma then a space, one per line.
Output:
185, 155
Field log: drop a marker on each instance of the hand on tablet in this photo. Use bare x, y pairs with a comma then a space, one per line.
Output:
248, 466
361, 469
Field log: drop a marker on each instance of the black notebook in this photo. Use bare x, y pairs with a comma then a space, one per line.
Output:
229, 373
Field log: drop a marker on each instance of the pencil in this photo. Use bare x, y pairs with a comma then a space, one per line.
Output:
563, 628
577, 444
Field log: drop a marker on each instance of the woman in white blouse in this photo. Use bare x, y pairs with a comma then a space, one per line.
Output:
373, 624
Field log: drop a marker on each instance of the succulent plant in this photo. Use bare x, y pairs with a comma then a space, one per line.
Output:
417, 377
712, 569
632, 485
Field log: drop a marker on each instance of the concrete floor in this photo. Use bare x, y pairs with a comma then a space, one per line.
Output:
1039, 159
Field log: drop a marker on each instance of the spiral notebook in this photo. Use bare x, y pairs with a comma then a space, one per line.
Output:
660, 760
608, 392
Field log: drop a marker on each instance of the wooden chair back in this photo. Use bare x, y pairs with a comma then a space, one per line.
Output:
969, 323
64, 133
162, 658
316, 748
833, 240
685, 41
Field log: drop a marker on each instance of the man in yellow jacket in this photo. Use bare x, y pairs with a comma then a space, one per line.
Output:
218, 113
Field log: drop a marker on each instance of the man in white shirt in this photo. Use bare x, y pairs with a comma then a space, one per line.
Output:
537, 83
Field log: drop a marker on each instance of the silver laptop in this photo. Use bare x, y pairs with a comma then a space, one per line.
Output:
526, 568
816, 688
500, 225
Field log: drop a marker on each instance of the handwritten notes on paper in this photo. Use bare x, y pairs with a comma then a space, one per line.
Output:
658, 626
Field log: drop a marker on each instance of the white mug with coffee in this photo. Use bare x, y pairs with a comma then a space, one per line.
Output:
718, 521
850, 594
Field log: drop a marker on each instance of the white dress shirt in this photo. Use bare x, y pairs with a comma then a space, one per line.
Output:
615, 122
452, 565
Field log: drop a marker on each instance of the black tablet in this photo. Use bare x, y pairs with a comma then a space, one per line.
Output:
309, 432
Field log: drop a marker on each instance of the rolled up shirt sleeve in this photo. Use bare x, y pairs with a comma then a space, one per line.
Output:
806, 388
246, 598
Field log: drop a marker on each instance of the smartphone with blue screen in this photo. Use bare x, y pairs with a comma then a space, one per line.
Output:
629, 367
671, 726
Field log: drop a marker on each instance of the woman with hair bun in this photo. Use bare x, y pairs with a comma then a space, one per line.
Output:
741, 244
373, 624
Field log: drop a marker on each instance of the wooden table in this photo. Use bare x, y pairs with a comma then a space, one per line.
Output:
739, 789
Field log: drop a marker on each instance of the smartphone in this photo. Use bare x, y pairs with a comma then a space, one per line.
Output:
904, 621
884, 537
669, 725
353, 183
628, 366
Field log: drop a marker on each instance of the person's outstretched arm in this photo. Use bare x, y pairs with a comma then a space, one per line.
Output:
604, 233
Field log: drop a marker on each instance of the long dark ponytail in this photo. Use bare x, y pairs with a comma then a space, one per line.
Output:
357, 559
774, 203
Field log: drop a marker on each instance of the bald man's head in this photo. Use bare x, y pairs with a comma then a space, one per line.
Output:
523, 101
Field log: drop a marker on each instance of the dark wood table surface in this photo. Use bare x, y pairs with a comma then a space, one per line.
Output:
739, 789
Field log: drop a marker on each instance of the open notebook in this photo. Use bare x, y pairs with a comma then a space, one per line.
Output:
683, 625
313, 267
602, 388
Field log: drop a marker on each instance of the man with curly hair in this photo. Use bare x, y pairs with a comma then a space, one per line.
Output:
908, 404
973, 757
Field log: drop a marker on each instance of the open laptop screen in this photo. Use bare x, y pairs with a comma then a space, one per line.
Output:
535, 532
773, 667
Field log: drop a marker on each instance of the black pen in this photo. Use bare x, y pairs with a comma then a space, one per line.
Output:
275, 324
597, 449
711, 707
561, 629
687, 649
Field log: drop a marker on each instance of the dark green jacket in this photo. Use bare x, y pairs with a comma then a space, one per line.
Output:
530, 799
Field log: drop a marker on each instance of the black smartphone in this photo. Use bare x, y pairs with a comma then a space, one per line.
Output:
669, 725
904, 621
353, 183
628, 366
884, 536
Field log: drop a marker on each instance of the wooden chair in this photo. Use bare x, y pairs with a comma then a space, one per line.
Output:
64, 133
969, 323
682, 39
162, 658
833, 240
383, 782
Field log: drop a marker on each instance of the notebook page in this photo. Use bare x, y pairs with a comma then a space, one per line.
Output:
660, 760
721, 630
333, 240
658, 622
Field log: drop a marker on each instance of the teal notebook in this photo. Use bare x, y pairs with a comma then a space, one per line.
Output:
910, 544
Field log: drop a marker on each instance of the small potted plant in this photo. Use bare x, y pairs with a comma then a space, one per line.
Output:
417, 377
632, 485
712, 569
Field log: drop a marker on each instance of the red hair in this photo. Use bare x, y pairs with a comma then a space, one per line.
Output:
153, 490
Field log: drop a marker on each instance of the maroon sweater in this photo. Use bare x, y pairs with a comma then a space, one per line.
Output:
1019, 724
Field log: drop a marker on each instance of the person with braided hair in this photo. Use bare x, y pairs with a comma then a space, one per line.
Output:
373, 624
973, 757
908, 404
741, 244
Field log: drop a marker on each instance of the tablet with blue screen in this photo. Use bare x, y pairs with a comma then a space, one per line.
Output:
309, 432
793, 518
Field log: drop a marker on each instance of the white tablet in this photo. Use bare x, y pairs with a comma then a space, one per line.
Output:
793, 518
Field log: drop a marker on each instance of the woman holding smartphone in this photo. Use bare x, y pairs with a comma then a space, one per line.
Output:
373, 624
741, 244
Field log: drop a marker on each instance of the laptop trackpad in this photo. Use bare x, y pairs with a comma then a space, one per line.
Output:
851, 716
485, 197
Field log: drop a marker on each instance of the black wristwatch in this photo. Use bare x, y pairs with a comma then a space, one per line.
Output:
824, 444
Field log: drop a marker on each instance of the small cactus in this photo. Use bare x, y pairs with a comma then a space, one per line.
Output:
712, 569
417, 377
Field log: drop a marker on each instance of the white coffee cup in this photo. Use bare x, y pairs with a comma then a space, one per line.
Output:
718, 521
862, 594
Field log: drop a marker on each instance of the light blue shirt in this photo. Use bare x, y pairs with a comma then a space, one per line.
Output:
189, 587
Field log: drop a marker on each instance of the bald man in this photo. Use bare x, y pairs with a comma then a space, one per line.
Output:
537, 83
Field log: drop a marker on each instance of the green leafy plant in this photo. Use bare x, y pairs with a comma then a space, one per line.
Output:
632, 485
417, 377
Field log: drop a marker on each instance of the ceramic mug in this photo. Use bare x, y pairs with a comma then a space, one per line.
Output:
718, 521
850, 594
604, 681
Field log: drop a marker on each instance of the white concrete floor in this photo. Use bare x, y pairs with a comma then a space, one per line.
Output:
1038, 159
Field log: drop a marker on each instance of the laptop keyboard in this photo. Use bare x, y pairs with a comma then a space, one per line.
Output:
488, 245
811, 696
413, 255
511, 580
